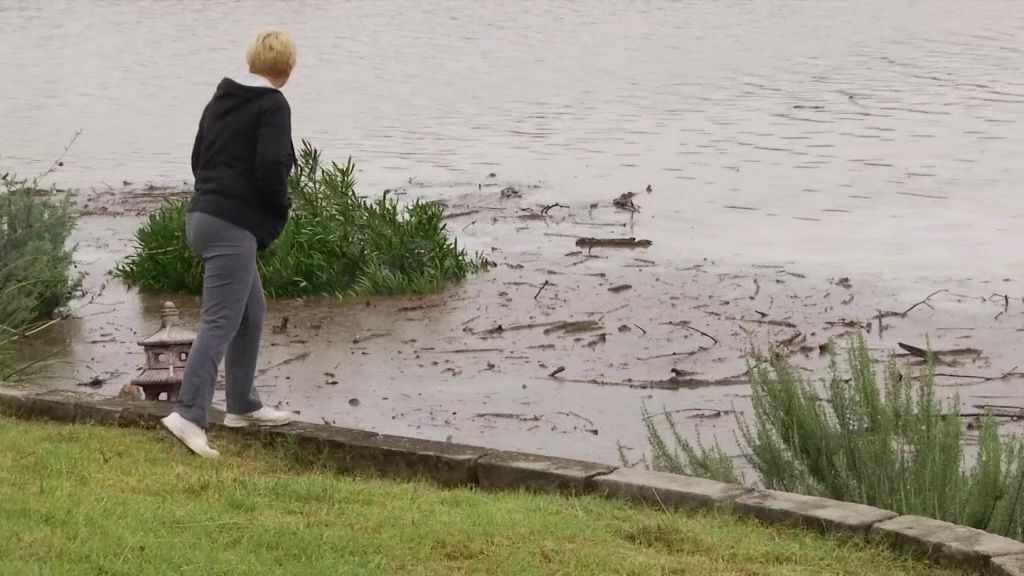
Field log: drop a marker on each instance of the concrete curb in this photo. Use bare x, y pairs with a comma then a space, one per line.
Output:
811, 512
949, 544
364, 452
669, 490
515, 471
1008, 566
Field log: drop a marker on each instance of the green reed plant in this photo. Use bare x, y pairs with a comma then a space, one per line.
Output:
36, 263
678, 455
893, 444
336, 243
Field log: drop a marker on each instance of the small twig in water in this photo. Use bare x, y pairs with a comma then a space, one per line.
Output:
510, 416
549, 207
542, 287
463, 350
965, 376
41, 327
296, 358
925, 302
450, 215
585, 419
612, 311
59, 162
370, 336
782, 323
1006, 304
715, 411
674, 354
420, 307
686, 324
1000, 407
982, 379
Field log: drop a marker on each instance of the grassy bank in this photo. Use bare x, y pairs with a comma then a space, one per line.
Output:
335, 243
95, 500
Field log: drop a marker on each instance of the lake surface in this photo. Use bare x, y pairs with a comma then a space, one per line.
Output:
883, 135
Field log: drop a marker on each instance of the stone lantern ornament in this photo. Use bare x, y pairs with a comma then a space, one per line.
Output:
166, 354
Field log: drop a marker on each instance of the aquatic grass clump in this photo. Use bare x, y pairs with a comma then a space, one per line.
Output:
36, 263
335, 243
895, 446
678, 455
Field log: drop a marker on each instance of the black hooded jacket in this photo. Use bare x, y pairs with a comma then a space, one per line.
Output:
242, 157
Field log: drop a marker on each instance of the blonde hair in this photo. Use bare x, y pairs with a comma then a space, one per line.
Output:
272, 54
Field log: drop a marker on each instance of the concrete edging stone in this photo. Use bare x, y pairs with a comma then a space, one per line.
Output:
946, 543
518, 471
823, 514
1008, 566
669, 490
411, 458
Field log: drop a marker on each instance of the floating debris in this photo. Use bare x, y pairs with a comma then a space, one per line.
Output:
613, 243
510, 192
625, 202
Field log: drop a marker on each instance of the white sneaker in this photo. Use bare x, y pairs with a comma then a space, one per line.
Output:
262, 417
190, 434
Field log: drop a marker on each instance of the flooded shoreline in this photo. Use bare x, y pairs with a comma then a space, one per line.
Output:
796, 185
557, 348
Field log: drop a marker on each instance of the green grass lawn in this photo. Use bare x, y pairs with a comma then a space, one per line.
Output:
78, 499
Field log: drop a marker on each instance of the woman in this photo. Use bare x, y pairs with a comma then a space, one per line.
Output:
241, 160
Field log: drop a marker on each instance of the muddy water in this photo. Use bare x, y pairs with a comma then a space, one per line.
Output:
886, 135
622, 328
787, 145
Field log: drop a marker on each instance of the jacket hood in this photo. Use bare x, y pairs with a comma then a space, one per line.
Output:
231, 94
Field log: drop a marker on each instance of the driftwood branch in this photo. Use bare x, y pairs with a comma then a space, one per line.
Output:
925, 302
686, 324
675, 354
613, 243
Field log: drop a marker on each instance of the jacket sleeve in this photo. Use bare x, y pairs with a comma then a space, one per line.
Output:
274, 154
197, 147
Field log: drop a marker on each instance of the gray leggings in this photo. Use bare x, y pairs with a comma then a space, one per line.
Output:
231, 323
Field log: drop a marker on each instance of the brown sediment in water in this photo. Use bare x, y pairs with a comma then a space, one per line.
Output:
888, 156
474, 364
